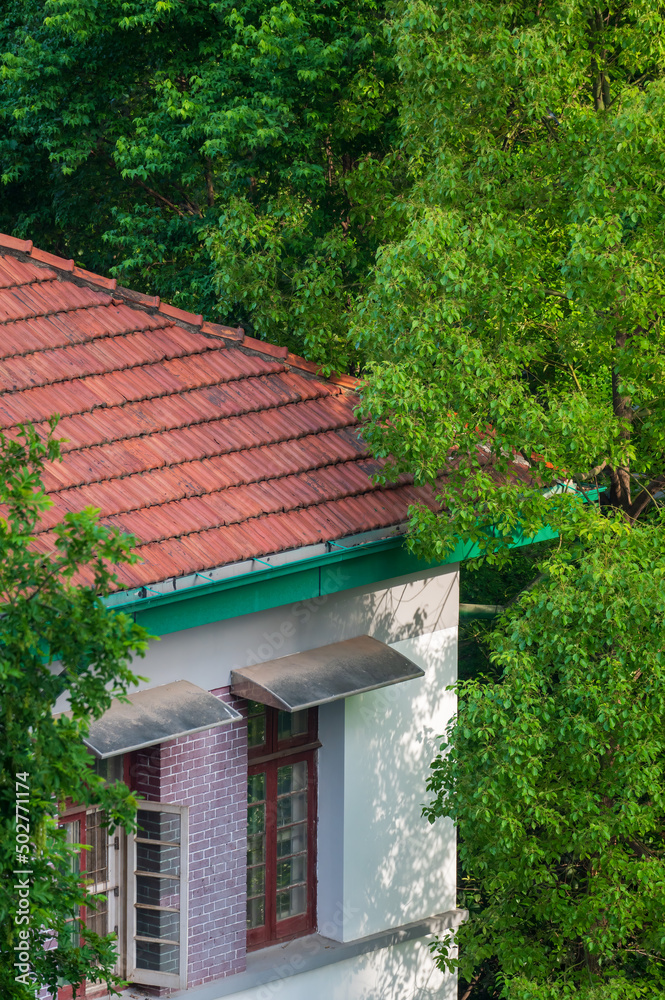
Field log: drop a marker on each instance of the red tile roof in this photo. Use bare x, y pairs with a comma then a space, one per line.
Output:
211, 447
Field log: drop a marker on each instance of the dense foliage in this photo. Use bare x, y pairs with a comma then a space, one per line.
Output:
516, 335
232, 157
520, 312
555, 775
55, 636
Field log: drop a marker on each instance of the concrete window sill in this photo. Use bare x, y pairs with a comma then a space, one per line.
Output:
308, 953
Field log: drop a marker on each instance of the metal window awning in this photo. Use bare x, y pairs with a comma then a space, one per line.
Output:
156, 715
328, 673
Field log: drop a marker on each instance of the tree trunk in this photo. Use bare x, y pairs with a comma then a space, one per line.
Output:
620, 475
210, 187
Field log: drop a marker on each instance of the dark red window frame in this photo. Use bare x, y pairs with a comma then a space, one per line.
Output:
67, 992
72, 813
267, 758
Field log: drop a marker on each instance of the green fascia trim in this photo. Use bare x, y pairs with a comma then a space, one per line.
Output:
301, 580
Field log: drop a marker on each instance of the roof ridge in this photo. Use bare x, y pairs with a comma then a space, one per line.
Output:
128, 295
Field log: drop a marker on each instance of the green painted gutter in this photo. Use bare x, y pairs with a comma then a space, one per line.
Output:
301, 580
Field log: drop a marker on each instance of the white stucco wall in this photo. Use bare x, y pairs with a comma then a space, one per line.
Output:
397, 866
412, 605
400, 972
381, 864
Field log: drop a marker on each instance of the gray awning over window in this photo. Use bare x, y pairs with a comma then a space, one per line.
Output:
156, 715
328, 673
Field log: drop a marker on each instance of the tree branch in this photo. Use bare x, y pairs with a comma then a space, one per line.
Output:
525, 590
596, 471
160, 197
621, 405
645, 498
467, 992
210, 188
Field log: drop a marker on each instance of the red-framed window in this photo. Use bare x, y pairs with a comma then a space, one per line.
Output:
97, 866
98, 863
281, 824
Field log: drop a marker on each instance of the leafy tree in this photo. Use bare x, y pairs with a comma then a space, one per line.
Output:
230, 157
56, 636
515, 324
492, 588
520, 312
555, 774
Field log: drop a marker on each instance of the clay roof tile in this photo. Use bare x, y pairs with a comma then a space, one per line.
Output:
207, 445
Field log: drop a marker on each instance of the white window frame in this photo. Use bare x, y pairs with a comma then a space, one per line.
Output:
144, 976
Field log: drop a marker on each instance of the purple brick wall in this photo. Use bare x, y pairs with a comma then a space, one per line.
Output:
144, 772
208, 772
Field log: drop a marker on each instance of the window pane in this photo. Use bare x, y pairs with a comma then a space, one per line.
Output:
292, 724
292, 778
292, 871
291, 902
162, 858
158, 891
157, 924
97, 838
291, 840
256, 912
256, 819
158, 825
157, 957
96, 915
256, 853
292, 808
256, 845
73, 836
256, 881
256, 724
278, 832
110, 769
256, 787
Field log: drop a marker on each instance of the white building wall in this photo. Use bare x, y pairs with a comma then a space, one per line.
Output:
400, 972
381, 864
398, 867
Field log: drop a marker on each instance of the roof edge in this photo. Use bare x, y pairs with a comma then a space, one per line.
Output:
252, 570
237, 335
133, 603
